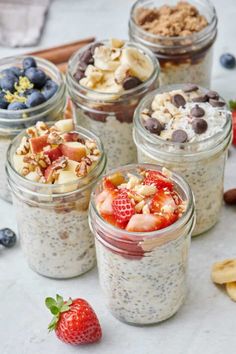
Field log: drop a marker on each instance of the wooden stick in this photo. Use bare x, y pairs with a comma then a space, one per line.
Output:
62, 67
61, 54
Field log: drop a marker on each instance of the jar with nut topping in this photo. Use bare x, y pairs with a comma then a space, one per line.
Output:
14, 120
106, 81
51, 170
188, 129
142, 253
181, 34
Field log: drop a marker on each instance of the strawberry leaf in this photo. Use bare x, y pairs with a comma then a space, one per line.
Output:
50, 302
54, 310
53, 324
232, 105
64, 308
60, 301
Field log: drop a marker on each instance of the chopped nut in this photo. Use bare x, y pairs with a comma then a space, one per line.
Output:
32, 132
138, 207
145, 190
54, 138
24, 147
42, 128
133, 181
146, 209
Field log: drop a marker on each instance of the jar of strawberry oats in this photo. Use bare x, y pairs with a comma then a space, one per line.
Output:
142, 217
188, 129
180, 33
51, 170
25, 101
106, 81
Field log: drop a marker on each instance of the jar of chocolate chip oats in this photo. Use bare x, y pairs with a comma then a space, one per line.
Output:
181, 34
185, 129
106, 81
12, 122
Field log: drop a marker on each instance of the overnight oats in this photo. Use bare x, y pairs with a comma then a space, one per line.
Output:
181, 34
142, 217
31, 89
106, 81
187, 129
51, 170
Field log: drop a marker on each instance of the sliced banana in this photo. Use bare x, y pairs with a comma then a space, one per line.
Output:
106, 59
224, 272
139, 64
116, 43
231, 290
107, 86
121, 73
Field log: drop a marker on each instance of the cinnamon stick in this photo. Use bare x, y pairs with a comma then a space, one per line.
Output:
62, 53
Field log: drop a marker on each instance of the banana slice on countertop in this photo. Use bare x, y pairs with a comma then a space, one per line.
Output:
231, 290
224, 271
140, 65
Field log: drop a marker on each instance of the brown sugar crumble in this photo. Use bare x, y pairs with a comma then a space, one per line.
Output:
183, 19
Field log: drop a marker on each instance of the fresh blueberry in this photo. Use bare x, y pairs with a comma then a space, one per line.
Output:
29, 91
3, 102
16, 106
228, 61
8, 72
35, 99
7, 82
36, 76
29, 62
7, 237
16, 71
49, 89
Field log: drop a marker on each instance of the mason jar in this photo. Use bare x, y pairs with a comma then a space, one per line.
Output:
52, 219
183, 58
13, 122
201, 163
143, 275
110, 115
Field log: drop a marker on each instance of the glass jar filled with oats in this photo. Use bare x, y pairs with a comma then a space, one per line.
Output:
180, 33
51, 170
31, 89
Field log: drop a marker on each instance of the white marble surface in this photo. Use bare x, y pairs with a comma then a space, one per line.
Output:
206, 323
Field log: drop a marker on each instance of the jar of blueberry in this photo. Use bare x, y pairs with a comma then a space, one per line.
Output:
31, 89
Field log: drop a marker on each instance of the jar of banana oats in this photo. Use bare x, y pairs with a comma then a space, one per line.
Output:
180, 33
106, 81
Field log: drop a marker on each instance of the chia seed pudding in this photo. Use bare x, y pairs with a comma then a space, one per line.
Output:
106, 81
51, 170
181, 34
31, 89
142, 218
187, 128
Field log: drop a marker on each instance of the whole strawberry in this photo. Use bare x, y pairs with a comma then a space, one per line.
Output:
74, 321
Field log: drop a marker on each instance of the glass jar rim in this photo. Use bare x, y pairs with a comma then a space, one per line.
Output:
182, 183
153, 138
52, 187
195, 37
122, 95
43, 106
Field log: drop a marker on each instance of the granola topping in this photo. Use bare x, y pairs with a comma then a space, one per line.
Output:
182, 19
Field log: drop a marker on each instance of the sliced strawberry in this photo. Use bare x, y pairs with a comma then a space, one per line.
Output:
71, 136
122, 207
107, 205
108, 185
54, 153
162, 202
146, 223
158, 179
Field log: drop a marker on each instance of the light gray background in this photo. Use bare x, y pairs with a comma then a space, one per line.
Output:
206, 323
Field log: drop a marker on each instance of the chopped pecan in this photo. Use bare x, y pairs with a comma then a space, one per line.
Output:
54, 138
24, 147
32, 132
42, 128
82, 169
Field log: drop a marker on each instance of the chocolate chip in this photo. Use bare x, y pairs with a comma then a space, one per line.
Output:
178, 100
153, 126
179, 136
200, 99
79, 75
191, 88
85, 59
199, 125
131, 82
213, 94
197, 111
216, 103
230, 196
